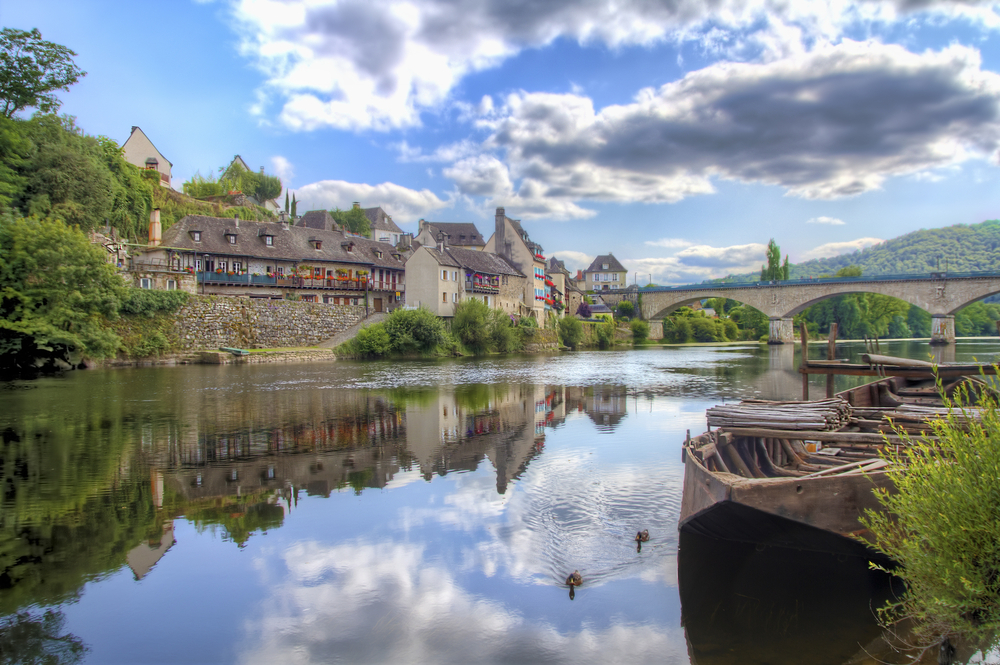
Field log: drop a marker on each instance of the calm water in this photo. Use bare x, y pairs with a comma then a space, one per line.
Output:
415, 512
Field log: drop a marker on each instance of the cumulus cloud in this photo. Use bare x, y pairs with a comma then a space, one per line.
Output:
669, 243
283, 168
377, 64
832, 221
833, 122
405, 205
573, 260
697, 263
837, 248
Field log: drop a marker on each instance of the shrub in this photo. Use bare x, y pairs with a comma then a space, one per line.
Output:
528, 322
372, 341
503, 337
606, 335
570, 331
640, 330
471, 325
678, 330
941, 525
146, 302
583, 311
625, 309
414, 330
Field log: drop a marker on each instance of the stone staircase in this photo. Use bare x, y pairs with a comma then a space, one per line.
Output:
349, 333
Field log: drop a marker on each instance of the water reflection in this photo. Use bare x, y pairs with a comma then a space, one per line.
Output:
366, 513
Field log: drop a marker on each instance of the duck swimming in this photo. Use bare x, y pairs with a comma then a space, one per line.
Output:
642, 536
575, 579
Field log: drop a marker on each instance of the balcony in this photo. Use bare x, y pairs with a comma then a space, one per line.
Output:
481, 287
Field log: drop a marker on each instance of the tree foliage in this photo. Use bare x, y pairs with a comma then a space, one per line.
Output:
583, 311
625, 308
570, 331
940, 524
353, 219
774, 270
234, 178
471, 325
55, 290
32, 70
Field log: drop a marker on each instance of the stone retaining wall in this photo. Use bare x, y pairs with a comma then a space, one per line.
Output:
208, 322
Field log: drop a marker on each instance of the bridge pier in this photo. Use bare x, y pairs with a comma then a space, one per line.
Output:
782, 332
942, 329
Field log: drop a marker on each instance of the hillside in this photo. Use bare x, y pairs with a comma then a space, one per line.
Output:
960, 248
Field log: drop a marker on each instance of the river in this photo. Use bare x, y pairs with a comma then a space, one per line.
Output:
405, 512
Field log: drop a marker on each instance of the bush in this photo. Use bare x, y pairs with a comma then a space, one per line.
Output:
527, 322
941, 525
625, 309
146, 302
583, 311
471, 325
677, 330
640, 330
570, 331
413, 330
606, 335
503, 337
372, 341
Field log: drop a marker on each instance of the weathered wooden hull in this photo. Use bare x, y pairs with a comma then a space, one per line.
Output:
780, 511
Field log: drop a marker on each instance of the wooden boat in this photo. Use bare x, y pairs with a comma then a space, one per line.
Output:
792, 474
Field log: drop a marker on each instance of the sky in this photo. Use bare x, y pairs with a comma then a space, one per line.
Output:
679, 135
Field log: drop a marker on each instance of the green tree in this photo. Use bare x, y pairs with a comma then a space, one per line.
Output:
471, 325
294, 206
55, 290
286, 201
625, 309
640, 330
773, 270
353, 219
32, 70
570, 331
414, 330
605, 334
131, 194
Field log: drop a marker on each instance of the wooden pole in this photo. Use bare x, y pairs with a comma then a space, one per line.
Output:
804, 337
831, 352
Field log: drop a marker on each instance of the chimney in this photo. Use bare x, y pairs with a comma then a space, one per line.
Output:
406, 240
499, 241
356, 204
154, 228
442, 241
420, 226
237, 221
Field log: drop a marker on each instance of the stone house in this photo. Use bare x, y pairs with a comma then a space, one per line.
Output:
384, 230
462, 235
276, 260
605, 274
439, 277
141, 152
511, 242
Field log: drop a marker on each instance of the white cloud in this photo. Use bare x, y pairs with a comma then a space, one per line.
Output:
377, 64
405, 205
832, 221
669, 243
698, 263
283, 168
574, 260
837, 248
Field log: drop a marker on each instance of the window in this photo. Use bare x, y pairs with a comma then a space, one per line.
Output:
309, 298
503, 280
444, 275
454, 297
171, 285
145, 283
604, 266
454, 276
232, 239
281, 271
269, 241
444, 297
614, 277
197, 264
238, 266
196, 236
222, 266
486, 300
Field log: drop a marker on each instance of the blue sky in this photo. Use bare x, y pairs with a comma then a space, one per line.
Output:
678, 137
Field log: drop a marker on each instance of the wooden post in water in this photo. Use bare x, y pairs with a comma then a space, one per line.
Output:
804, 336
831, 352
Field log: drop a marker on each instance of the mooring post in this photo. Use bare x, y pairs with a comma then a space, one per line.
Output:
831, 352
804, 337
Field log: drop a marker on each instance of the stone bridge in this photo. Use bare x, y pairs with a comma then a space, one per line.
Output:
939, 294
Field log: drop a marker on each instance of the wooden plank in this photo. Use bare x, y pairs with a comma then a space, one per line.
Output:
831, 352
797, 435
843, 467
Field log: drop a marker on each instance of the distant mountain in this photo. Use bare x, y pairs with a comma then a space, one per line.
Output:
959, 248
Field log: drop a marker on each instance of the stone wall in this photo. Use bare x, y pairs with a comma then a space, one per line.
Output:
540, 339
208, 322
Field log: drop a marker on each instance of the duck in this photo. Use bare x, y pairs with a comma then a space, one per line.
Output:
574, 579
642, 536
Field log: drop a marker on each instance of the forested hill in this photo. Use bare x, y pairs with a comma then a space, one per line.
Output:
960, 248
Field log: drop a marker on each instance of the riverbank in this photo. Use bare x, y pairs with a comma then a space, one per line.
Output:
254, 357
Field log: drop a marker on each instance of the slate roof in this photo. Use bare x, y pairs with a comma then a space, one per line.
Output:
486, 263
380, 220
318, 219
291, 244
459, 233
533, 246
613, 264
